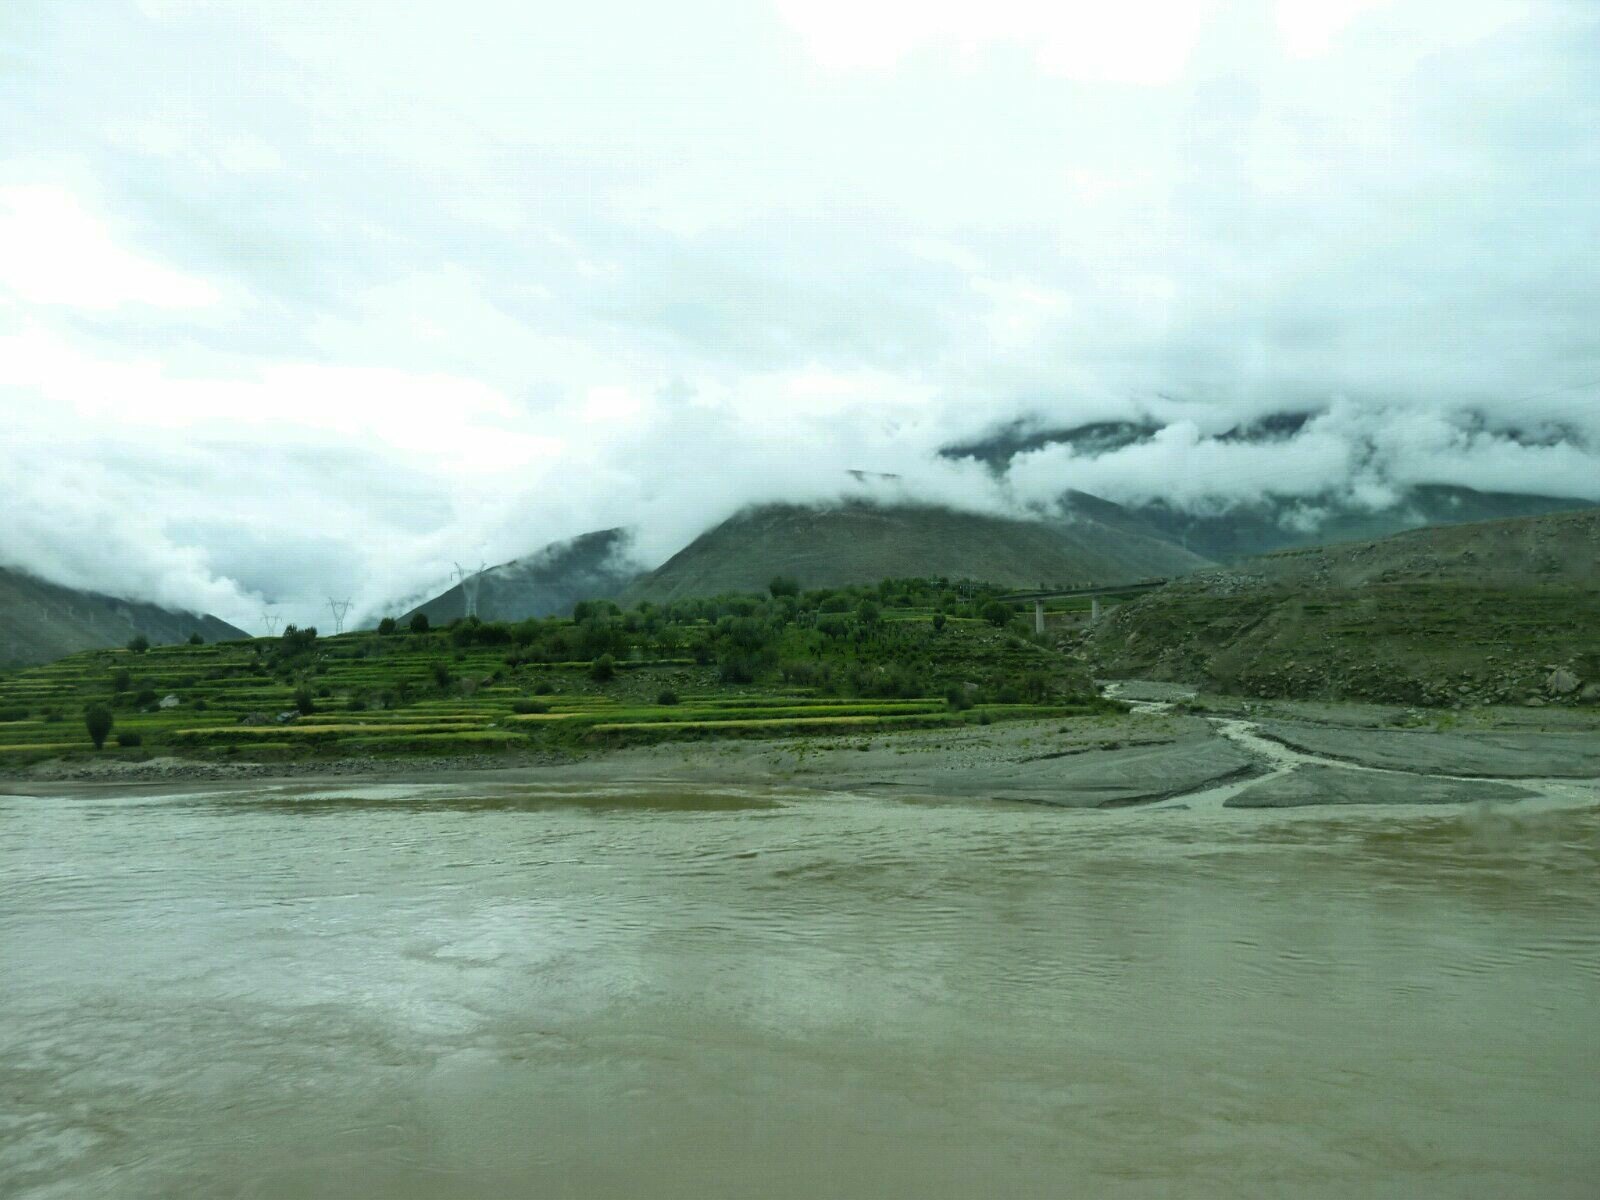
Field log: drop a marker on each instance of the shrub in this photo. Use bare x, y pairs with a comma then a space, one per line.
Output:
996, 613
419, 623
145, 696
97, 720
588, 610
13, 714
667, 698
386, 626
200, 704
939, 620
543, 688
129, 739
194, 640
304, 701
603, 668
529, 706
296, 640
957, 699
121, 679
441, 675
783, 585
139, 644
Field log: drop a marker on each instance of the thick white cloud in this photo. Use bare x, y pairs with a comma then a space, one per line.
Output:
301, 299
55, 254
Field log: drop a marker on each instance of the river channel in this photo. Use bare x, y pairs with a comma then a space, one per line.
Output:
454, 990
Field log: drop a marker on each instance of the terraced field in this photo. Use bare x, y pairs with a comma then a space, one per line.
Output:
403, 694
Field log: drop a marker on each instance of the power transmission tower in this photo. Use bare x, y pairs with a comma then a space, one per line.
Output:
338, 608
470, 580
270, 620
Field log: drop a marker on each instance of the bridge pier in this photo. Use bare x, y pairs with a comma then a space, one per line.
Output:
1094, 610
1038, 616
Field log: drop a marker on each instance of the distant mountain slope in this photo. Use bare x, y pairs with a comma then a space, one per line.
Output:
41, 622
548, 582
1556, 548
1266, 523
859, 542
1271, 525
1483, 613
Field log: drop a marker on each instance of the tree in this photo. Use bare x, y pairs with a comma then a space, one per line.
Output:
139, 644
121, 679
939, 620
97, 720
603, 668
783, 585
441, 675
296, 640
386, 626
419, 623
196, 640
996, 613
868, 612
304, 701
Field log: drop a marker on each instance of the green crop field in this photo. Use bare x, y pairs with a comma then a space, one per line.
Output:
907, 654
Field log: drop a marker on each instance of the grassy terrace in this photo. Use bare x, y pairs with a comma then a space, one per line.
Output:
902, 655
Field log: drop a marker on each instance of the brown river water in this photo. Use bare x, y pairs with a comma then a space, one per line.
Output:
452, 990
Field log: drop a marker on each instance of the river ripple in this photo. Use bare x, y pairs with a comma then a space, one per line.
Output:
446, 991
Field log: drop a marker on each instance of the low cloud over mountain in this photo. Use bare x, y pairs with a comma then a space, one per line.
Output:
487, 277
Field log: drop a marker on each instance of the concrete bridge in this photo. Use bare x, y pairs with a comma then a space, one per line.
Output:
1093, 591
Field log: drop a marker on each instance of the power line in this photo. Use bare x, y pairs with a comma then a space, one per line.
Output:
470, 582
338, 608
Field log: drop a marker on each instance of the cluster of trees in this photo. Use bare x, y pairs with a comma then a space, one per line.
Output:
836, 640
859, 640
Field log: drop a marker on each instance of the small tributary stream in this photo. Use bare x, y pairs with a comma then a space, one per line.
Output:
1278, 760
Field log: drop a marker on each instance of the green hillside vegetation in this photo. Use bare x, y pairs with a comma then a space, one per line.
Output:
1503, 611
871, 659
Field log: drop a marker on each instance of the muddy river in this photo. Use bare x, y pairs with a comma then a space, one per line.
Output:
453, 990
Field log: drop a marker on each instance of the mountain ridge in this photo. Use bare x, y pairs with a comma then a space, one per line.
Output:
861, 542
547, 582
42, 621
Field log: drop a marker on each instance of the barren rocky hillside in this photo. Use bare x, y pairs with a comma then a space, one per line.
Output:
1503, 611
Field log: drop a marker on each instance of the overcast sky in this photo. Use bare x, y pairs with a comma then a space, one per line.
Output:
303, 298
